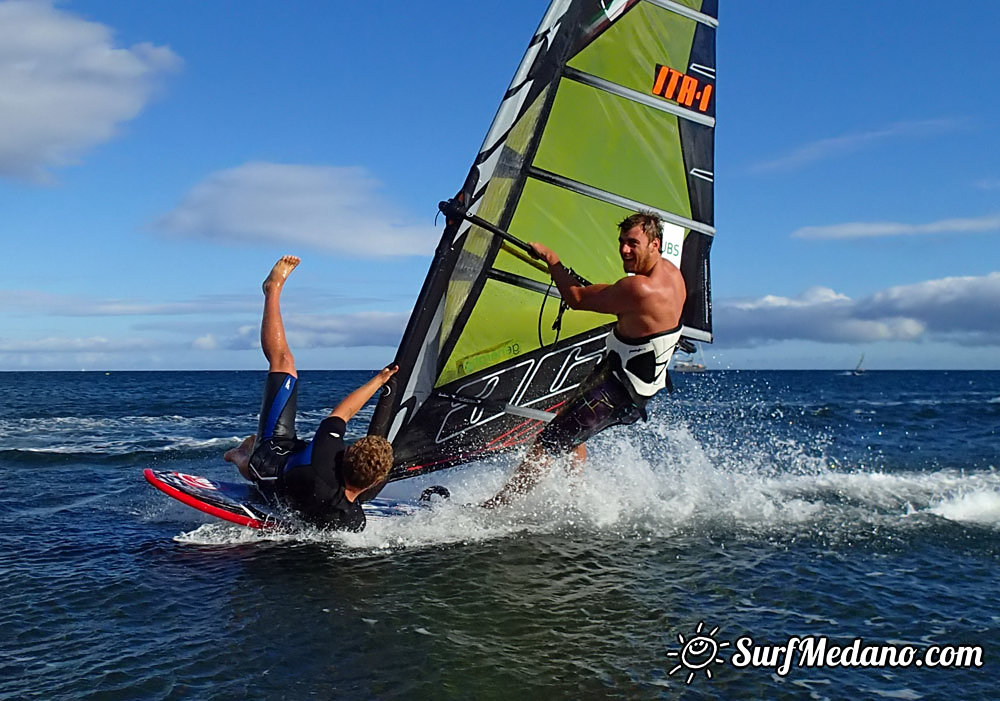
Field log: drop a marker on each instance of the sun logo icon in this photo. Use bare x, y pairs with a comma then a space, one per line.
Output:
698, 652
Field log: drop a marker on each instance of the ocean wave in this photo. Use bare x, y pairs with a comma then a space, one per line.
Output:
92, 423
122, 435
949, 401
119, 448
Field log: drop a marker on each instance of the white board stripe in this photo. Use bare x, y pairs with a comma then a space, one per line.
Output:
527, 413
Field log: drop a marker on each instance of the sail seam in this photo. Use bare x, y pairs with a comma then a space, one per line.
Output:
686, 12
636, 96
611, 198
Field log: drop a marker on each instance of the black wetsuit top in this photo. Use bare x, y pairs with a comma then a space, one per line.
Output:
312, 481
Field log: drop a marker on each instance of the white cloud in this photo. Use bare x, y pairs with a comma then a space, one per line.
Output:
960, 309
952, 305
857, 230
37, 302
819, 314
328, 331
824, 149
34, 302
97, 344
988, 184
336, 209
206, 342
64, 87
191, 348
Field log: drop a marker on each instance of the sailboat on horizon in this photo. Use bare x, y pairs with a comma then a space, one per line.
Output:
859, 370
688, 363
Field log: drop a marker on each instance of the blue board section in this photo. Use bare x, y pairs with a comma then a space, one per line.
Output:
244, 504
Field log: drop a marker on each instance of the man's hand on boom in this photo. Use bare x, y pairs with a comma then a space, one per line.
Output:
353, 402
387, 372
545, 253
569, 287
594, 298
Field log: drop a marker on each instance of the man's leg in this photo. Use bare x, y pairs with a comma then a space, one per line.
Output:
600, 401
565, 434
279, 358
531, 470
577, 458
525, 477
272, 329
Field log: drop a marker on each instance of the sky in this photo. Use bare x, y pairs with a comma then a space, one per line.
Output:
157, 157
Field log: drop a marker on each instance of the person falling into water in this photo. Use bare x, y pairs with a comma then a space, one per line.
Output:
321, 479
648, 303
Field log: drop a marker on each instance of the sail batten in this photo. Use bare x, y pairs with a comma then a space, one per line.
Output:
686, 12
636, 96
524, 283
611, 110
625, 202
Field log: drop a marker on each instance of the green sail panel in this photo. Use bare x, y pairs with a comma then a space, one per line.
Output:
491, 205
652, 36
611, 109
616, 145
583, 230
505, 327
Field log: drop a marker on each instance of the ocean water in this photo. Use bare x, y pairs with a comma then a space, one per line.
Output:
753, 505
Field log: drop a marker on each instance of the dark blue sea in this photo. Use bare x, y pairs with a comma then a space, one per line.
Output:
759, 506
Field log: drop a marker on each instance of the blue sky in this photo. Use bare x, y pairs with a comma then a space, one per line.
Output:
156, 157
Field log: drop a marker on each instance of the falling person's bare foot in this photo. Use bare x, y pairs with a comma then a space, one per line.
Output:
275, 280
240, 455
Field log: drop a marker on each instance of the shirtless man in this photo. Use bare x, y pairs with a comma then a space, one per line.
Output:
321, 479
648, 304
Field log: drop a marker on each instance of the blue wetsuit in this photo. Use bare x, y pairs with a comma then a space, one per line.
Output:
306, 475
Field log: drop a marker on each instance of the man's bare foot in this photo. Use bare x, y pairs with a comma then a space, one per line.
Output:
576, 460
240, 455
279, 273
524, 479
494, 502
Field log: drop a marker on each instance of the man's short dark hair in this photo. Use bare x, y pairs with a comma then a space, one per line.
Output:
650, 222
367, 461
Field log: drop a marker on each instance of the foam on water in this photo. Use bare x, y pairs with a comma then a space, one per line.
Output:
659, 481
979, 507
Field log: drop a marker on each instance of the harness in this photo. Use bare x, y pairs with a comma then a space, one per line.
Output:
644, 360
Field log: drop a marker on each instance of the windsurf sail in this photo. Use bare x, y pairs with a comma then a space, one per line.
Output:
611, 110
